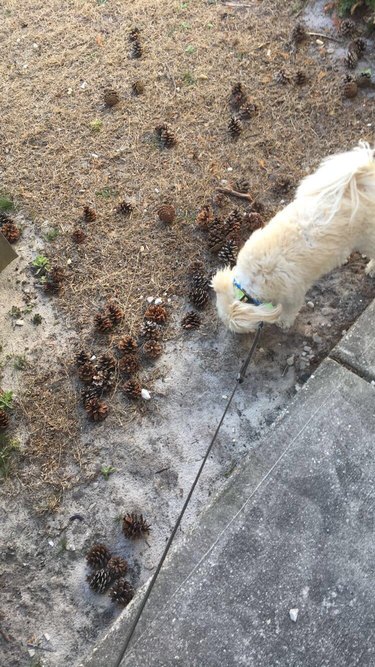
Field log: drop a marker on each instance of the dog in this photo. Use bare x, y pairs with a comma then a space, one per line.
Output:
332, 215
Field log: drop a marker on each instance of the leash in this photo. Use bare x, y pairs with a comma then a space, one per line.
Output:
239, 380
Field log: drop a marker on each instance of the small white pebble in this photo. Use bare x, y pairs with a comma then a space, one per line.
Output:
51, 543
157, 191
149, 299
293, 614
158, 301
290, 360
310, 304
47, 636
145, 394
19, 323
69, 261
142, 248
319, 42
224, 396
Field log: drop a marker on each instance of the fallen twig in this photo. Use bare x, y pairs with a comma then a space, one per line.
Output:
321, 34
236, 4
234, 193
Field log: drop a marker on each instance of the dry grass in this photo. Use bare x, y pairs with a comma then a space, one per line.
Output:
57, 59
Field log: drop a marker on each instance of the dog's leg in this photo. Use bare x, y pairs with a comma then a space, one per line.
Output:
290, 312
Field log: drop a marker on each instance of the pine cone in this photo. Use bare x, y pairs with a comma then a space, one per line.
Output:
165, 136
138, 88
135, 526
117, 566
156, 314
351, 59
90, 393
103, 382
257, 207
167, 213
242, 185
150, 330
127, 344
282, 77
89, 214
129, 364
228, 253
199, 297
97, 410
11, 232
115, 313
349, 87
254, 221
195, 267
98, 556
103, 322
217, 235
358, 46
82, 358
191, 321
125, 207
100, 580
247, 111
134, 35
204, 217
4, 420
238, 97
300, 78
78, 235
137, 50
111, 97
234, 127
233, 222
54, 278
199, 279
121, 592
107, 363
132, 389
347, 28
86, 372
299, 33
152, 349
282, 185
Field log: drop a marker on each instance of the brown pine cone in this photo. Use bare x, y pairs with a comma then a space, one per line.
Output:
137, 50
125, 207
254, 221
134, 34
138, 88
234, 127
247, 111
167, 213
199, 297
54, 279
299, 33
165, 136
86, 372
97, 410
358, 46
129, 364
152, 348
242, 185
156, 314
300, 78
90, 393
238, 97
349, 87
115, 312
216, 235
98, 556
135, 526
117, 566
132, 388
127, 344
282, 77
103, 322
351, 59
150, 330
4, 420
11, 232
82, 358
347, 28
111, 97
191, 321
204, 217
100, 580
78, 235
103, 381
233, 222
89, 215
121, 592
107, 363
228, 253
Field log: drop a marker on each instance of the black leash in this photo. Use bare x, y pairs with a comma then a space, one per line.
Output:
239, 380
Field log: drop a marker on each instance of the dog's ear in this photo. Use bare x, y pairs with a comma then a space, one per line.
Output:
243, 317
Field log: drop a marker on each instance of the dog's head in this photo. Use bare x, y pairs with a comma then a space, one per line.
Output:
239, 316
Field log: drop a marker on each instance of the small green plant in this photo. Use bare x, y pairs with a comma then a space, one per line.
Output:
190, 49
106, 193
40, 264
96, 125
6, 204
6, 400
63, 544
15, 312
185, 25
8, 448
51, 234
188, 78
37, 319
20, 363
107, 471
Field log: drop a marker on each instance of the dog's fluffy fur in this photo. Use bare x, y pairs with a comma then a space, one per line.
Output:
332, 215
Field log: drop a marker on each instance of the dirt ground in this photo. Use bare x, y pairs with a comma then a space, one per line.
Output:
63, 149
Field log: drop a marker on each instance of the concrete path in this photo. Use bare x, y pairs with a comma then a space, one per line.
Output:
280, 569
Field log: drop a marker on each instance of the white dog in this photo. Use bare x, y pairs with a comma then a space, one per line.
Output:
332, 215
